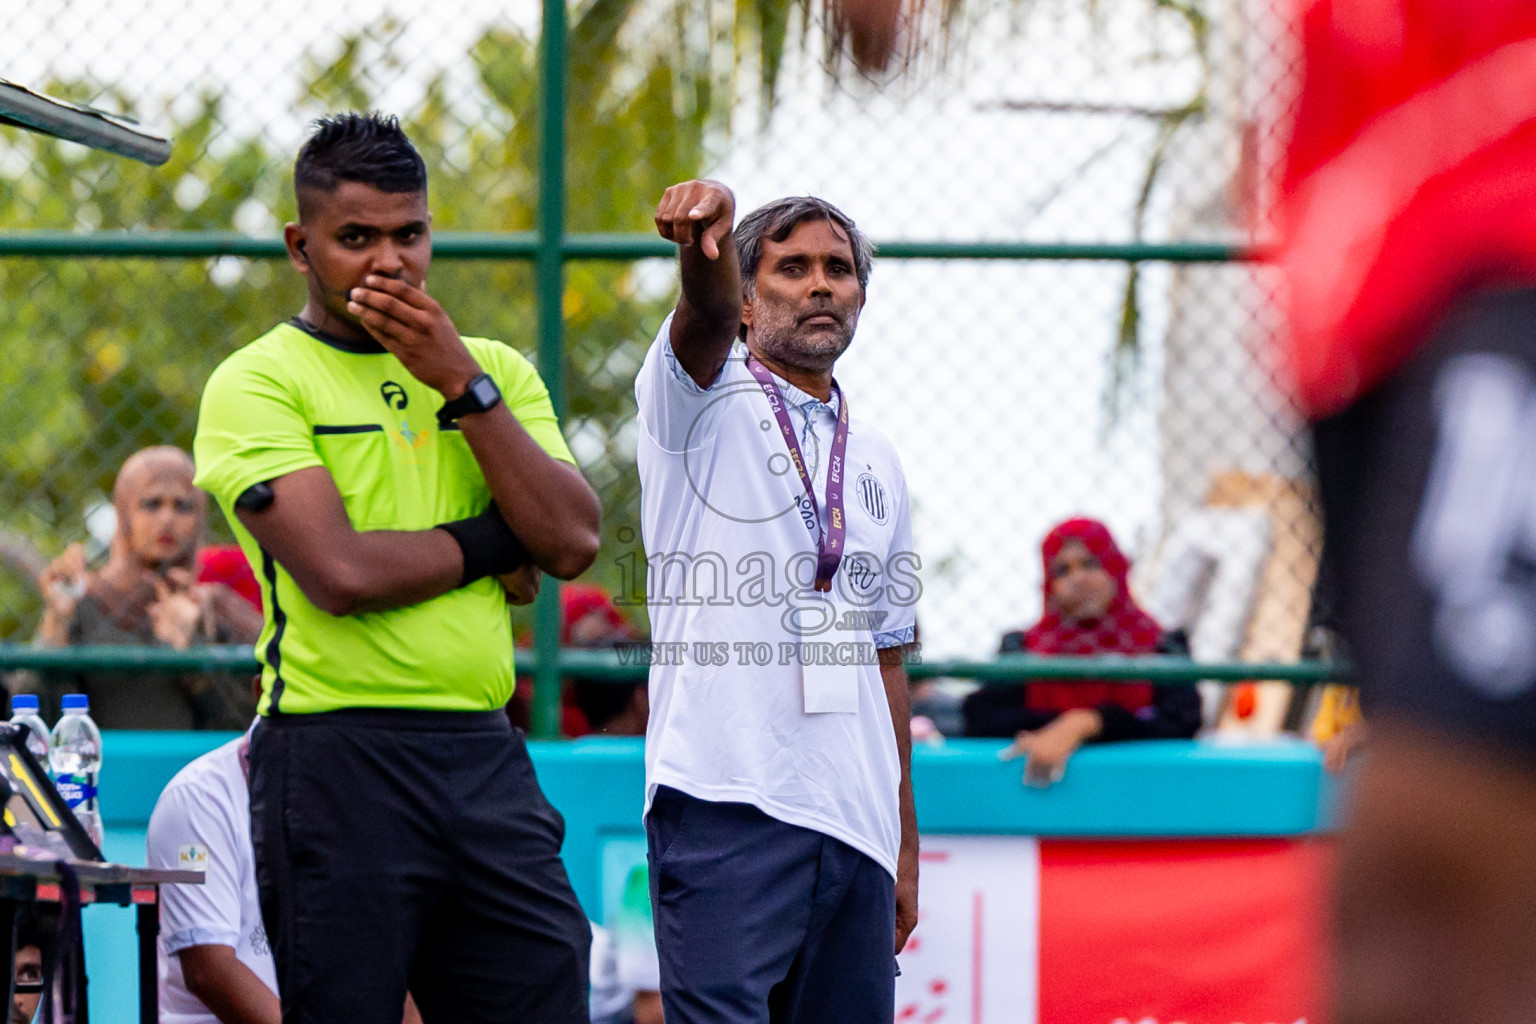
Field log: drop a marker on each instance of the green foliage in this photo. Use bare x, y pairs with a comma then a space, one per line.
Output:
108, 356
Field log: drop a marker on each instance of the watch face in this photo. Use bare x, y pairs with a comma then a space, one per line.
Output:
485, 392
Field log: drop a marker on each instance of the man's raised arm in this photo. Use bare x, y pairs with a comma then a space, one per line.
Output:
699, 216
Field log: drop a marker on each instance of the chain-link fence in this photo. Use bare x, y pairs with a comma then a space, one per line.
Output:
1019, 392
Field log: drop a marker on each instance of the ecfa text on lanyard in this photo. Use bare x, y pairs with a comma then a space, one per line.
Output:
829, 541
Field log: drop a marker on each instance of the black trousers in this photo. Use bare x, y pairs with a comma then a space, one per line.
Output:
1429, 495
399, 850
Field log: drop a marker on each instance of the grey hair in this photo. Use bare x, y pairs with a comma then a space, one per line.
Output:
777, 219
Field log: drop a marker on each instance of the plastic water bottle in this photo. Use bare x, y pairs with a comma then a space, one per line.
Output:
75, 758
24, 715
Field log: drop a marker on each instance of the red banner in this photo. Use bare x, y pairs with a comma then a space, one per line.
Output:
1176, 932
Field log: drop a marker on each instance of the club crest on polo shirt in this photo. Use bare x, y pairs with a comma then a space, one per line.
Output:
258, 938
192, 857
873, 499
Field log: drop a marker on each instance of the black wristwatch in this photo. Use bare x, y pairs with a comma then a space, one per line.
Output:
482, 395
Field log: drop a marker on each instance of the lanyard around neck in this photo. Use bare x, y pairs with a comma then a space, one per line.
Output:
829, 542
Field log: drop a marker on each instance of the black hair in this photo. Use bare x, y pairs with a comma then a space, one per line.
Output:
36, 925
776, 220
369, 148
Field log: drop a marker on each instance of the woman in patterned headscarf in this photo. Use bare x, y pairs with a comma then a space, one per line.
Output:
1088, 611
148, 593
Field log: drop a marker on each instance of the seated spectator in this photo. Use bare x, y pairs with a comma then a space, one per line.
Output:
1339, 728
591, 620
612, 708
1088, 611
588, 619
216, 965
215, 962
147, 593
35, 927
616, 996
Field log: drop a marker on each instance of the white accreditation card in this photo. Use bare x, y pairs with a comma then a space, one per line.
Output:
830, 689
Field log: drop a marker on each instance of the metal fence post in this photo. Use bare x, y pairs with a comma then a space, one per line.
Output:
549, 271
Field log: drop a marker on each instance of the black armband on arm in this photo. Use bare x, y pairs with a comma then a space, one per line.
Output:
255, 498
489, 546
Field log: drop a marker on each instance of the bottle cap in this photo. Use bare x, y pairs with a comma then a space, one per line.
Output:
76, 702
24, 702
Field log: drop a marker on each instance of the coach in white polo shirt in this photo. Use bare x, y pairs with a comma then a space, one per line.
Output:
782, 835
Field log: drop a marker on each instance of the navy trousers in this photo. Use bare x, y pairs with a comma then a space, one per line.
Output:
762, 922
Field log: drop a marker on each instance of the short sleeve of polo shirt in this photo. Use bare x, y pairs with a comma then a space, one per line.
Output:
896, 605
526, 396
196, 915
669, 401
251, 427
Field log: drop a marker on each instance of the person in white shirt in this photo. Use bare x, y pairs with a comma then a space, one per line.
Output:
782, 584
215, 962
620, 994
35, 926
216, 965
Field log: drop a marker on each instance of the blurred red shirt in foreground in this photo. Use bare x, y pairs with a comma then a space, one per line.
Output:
1411, 178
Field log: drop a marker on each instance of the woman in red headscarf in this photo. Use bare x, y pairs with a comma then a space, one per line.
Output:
1088, 611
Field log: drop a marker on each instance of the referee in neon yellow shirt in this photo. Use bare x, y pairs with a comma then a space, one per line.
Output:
396, 485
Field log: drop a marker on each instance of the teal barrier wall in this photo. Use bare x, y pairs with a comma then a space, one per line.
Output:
1160, 789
